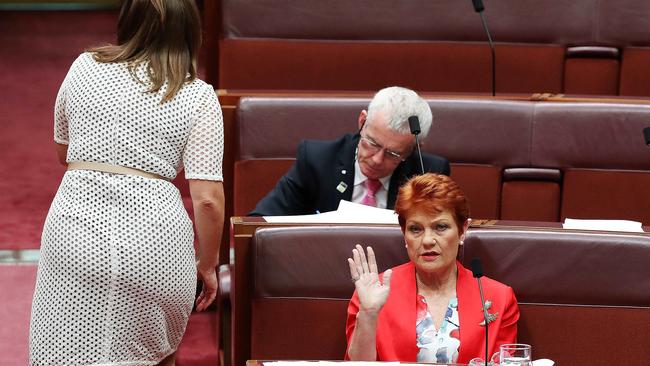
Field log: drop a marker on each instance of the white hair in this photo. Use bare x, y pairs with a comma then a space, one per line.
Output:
397, 104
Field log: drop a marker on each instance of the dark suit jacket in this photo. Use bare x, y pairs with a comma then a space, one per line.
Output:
311, 184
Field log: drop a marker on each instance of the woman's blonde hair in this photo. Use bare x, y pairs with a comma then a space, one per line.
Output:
164, 33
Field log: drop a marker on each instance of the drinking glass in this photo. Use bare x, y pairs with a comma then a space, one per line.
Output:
477, 361
515, 354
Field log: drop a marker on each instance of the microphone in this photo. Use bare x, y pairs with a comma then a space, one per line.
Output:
478, 7
477, 272
414, 125
646, 134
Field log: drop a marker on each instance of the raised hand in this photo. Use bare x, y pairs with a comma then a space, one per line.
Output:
371, 291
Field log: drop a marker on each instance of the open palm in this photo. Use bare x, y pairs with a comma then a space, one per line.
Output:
372, 291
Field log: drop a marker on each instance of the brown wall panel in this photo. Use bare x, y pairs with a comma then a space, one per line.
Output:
357, 65
255, 178
635, 73
591, 76
530, 201
528, 68
484, 197
581, 335
311, 320
600, 194
349, 65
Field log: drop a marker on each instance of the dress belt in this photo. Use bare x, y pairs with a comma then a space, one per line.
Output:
110, 168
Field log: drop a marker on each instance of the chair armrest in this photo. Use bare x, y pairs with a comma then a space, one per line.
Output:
223, 278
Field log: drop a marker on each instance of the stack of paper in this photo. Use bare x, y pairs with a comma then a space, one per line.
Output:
540, 362
607, 225
347, 213
329, 363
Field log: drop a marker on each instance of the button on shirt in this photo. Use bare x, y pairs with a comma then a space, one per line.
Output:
360, 190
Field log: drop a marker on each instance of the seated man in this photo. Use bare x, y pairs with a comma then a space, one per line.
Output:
367, 167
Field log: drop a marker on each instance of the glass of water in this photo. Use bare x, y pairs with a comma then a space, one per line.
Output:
494, 361
515, 354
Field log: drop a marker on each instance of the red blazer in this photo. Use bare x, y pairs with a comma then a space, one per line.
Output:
396, 322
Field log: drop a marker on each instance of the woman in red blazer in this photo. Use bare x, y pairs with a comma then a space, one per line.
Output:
429, 309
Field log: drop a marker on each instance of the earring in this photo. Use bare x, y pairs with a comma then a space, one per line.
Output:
461, 242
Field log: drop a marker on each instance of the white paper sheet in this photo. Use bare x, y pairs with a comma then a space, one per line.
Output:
540, 362
606, 225
347, 213
324, 218
367, 213
329, 363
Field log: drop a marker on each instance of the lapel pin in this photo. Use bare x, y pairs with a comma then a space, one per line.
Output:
344, 171
342, 187
490, 316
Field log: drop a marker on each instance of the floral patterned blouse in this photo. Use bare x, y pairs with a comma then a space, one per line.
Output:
437, 345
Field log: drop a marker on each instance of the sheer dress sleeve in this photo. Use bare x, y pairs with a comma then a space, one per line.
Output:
60, 120
203, 154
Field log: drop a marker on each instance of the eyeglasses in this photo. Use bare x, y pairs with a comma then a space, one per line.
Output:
373, 147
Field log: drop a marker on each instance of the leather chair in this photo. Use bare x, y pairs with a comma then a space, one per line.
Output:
575, 289
601, 154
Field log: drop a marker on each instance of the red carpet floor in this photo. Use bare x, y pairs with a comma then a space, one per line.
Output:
16, 288
36, 50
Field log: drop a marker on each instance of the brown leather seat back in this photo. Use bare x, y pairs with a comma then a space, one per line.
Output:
604, 159
572, 286
565, 266
481, 138
270, 130
302, 287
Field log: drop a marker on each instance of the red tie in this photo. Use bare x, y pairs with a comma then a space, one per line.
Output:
372, 186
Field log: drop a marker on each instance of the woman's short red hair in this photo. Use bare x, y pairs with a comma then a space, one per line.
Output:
431, 193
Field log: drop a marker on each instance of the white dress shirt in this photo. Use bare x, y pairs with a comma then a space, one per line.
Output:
360, 190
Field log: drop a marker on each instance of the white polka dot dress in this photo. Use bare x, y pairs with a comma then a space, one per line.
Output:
117, 275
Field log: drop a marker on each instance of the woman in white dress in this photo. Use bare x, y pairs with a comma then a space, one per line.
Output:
117, 276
